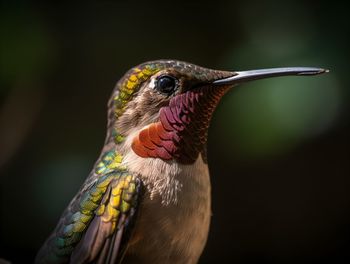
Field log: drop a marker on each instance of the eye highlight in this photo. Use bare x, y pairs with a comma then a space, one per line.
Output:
166, 84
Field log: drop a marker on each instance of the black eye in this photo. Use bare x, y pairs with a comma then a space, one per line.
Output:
166, 84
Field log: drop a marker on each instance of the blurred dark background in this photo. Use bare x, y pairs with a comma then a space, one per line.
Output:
278, 149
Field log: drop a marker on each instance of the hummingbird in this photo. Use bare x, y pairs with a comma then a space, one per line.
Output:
148, 196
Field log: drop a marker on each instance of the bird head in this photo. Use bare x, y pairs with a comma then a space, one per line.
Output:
163, 108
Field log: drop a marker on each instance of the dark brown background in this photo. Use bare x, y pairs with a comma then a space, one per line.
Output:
278, 149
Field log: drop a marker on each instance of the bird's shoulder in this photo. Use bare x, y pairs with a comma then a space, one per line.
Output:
99, 218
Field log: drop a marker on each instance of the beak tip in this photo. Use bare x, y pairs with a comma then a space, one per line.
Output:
321, 70
314, 71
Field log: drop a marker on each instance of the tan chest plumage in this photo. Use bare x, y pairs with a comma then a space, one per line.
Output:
173, 221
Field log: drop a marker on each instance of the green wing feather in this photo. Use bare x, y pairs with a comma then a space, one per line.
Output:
98, 222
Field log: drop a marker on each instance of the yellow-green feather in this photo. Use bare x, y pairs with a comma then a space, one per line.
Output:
113, 194
131, 84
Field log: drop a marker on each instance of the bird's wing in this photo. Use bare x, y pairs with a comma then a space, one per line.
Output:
98, 223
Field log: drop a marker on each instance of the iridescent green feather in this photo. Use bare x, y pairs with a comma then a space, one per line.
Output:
115, 193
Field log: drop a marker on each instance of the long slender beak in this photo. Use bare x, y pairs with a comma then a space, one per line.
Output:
244, 76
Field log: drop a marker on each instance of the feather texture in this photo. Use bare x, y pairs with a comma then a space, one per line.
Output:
98, 223
181, 132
